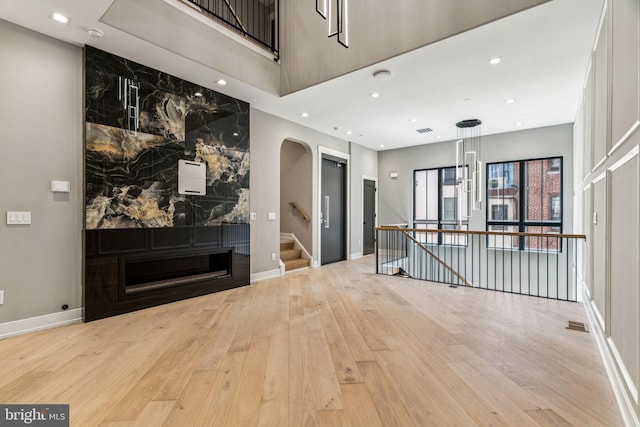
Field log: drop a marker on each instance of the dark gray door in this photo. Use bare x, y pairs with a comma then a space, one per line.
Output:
369, 217
333, 234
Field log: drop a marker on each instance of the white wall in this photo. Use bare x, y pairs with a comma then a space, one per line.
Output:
41, 120
396, 195
607, 197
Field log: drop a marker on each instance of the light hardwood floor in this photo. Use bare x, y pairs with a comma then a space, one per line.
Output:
333, 346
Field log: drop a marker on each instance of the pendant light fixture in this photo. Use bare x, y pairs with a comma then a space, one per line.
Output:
336, 12
468, 168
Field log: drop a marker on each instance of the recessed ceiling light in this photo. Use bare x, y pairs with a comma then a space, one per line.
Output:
198, 94
381, 145
221, 82
375, 95
519, 124
59, 17
510, 101
349, 132
438, 137
413, 120
95, 33
236, 134
496, 60
304, 114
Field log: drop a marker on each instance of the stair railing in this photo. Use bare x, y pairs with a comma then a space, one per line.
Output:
536, 264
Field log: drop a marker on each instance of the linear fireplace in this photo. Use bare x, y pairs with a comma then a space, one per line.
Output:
152, 273
130, 269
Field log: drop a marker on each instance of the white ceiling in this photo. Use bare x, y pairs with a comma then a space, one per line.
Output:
545, 54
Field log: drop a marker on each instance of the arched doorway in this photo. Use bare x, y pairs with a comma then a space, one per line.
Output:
296, 199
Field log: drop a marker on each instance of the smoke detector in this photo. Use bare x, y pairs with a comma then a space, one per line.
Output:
381, 74
95, 33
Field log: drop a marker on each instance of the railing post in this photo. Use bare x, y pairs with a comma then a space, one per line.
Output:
377, 251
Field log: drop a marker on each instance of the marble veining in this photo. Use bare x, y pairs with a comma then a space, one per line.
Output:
131, 173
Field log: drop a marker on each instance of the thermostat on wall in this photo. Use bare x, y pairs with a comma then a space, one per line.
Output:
192, 177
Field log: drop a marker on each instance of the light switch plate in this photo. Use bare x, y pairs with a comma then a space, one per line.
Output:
18, 218
271, 216
253, 216
60, 186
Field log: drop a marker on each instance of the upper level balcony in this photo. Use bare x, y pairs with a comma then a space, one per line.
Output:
256, 20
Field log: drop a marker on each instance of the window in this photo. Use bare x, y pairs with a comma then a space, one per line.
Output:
524, 196
436, 205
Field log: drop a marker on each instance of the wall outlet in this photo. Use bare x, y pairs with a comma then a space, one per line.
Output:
273, 256
1, 297
253, 216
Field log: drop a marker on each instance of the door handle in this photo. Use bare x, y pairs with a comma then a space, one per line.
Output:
326, 211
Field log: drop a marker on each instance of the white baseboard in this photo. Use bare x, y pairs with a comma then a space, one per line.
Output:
608, 359
355, 255
264, 275
38, 323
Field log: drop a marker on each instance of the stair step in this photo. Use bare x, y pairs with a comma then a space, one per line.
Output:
294, 264
289, 254
286, 245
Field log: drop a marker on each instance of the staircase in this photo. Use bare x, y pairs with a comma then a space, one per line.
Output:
291, 257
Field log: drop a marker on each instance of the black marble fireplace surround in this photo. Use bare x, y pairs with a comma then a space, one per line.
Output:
144, 243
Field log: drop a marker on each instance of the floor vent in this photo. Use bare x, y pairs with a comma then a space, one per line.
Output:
424, 130
576, 326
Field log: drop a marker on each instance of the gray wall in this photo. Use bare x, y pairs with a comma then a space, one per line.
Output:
296, 185
41, 122
607, 171
268, 132
364, 162
396, 195
376, 33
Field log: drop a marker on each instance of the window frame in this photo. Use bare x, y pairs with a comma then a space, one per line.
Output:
440, 223
522, 223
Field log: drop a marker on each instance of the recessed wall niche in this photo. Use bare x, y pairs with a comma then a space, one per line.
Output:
140, 123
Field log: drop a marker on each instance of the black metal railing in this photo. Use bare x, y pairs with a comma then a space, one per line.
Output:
483, 259
256, 20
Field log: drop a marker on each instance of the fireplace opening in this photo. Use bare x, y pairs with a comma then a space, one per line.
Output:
151, 274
